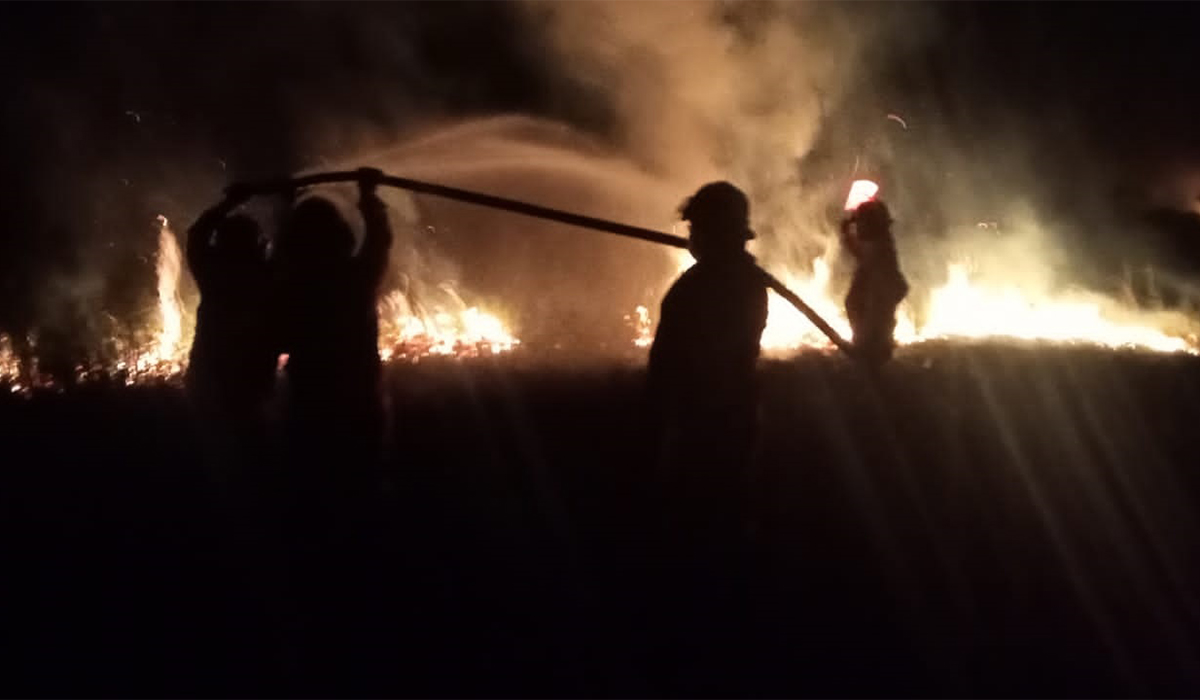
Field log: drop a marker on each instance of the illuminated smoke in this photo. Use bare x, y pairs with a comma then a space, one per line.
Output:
748, 91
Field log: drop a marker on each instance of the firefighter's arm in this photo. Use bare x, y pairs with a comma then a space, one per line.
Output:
200, 233
377, 240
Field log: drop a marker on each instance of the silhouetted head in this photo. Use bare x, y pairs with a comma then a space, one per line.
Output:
316, 232
872, 220
237, 239
719, 214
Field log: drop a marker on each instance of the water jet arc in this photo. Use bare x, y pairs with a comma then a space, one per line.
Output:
549, 214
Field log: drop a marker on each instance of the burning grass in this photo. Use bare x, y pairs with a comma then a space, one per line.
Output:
411, 330
965, 308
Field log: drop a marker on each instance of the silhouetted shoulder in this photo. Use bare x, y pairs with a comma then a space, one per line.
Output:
688, 284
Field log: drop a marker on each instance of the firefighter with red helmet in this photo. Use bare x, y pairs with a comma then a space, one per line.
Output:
878, 286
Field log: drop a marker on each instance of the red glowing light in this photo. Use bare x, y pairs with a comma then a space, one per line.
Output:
861, 191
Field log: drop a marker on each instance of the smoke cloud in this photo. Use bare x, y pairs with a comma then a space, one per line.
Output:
707, 90
792, 100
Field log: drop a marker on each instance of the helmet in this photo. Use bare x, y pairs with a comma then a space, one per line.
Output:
871, 219
238, 236
721, 206
872, 213
316, 228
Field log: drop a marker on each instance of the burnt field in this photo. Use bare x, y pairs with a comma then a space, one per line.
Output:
985, 520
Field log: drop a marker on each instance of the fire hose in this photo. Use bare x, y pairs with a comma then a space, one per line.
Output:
557, 215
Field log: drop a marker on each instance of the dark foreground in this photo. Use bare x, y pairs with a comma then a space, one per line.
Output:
992, 521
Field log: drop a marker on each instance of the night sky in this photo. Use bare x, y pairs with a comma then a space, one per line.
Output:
114, 112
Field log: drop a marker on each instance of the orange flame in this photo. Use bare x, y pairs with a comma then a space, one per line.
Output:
168, 266
965, 308
643, 328
10, 366
410, 332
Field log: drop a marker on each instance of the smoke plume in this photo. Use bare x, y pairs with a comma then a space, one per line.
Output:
791, 100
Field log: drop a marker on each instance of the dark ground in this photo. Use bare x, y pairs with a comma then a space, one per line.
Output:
990, 521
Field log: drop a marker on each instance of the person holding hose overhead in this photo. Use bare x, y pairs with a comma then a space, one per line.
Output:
328, 295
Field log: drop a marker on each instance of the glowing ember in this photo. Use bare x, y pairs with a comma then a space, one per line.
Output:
17, 377
10, 365
642, 327
861, 191
408, 332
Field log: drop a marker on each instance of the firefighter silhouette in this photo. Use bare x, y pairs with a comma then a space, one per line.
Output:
702, 362
231, 370
878, 286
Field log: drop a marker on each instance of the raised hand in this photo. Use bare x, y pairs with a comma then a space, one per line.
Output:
368, 180
373, 256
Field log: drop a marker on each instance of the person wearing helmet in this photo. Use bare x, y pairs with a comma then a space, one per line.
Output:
705, 402
331, 334
702, 361
878, 286
231, 368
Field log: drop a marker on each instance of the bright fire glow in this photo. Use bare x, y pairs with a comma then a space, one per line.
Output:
964, 310
409, 332
161, 354
643, 328
961, 308
10, 365
170, 307
861, 191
